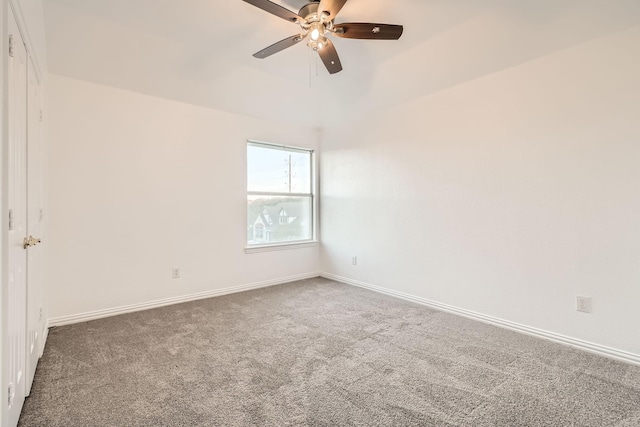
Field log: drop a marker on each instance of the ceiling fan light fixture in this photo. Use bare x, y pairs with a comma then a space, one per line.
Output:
317, 31
322, 42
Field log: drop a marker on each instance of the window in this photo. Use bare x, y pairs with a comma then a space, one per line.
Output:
280, 203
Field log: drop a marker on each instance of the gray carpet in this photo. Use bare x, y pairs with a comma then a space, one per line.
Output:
319, 353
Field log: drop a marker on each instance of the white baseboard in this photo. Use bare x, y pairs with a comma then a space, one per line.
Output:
562, 339
99, 314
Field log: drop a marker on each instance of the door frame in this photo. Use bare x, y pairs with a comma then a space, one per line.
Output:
4, 221
7, 7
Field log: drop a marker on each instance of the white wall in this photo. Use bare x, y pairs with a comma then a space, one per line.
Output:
508, 195
139, 185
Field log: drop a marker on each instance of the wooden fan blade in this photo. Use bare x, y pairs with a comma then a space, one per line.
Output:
330, 57
367, 30
281, 45
332, 7
275, 9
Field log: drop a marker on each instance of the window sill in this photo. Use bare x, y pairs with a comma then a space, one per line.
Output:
280, 247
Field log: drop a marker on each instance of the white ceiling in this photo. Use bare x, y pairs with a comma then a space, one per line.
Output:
200, 51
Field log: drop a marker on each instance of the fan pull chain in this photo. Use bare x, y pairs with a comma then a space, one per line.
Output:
311, 63
314, 60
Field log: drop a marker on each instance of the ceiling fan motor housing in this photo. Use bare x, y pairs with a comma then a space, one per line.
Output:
309, 10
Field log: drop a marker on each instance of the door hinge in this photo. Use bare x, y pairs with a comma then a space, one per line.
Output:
10, 395
10, 219
40, 115
11, 46
40, 315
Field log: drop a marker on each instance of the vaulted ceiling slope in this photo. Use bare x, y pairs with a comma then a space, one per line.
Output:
200, 51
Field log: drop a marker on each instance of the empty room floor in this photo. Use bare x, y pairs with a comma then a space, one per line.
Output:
319, 353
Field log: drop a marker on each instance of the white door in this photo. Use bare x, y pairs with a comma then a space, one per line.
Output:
17, 185
35, 326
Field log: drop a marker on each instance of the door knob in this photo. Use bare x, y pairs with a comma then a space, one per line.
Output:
30, 241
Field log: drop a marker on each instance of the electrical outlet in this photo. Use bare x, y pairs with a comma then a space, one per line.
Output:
583, 304
175, 273
354, 260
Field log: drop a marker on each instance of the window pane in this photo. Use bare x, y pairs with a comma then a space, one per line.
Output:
278, 170
278, 219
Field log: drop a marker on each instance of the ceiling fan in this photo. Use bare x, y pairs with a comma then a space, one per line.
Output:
317, 21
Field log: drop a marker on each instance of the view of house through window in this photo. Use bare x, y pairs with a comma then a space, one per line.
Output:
279, 194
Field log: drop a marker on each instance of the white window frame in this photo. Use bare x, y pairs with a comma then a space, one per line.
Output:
314, 201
